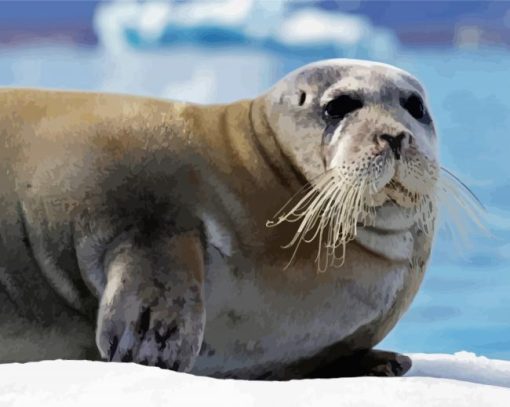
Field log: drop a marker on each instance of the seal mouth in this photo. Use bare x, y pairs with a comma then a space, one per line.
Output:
333, 209
330, 212
379, 231
397, 193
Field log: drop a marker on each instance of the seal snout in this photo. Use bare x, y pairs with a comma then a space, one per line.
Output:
395, 142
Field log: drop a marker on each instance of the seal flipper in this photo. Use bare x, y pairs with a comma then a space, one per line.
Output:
365, 363
152, 310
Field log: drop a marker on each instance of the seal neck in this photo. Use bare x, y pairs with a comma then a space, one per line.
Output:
267, 146
264, 177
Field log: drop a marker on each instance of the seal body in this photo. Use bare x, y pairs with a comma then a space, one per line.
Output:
134, 229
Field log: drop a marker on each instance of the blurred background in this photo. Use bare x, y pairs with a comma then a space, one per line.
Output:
219, 51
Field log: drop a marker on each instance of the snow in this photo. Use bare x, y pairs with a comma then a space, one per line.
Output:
464, 366
457, 382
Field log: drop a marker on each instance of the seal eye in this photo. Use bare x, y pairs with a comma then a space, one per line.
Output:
414, 105
341, 106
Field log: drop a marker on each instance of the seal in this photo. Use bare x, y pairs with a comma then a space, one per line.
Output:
149, 231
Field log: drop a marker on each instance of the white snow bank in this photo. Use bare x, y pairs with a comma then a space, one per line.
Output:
464, 366
80, 383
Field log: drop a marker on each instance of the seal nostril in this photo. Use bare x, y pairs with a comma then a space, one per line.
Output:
395, 143
401, 136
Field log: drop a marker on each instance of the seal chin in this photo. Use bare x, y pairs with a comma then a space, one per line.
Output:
391, 217
389, 234
392, 245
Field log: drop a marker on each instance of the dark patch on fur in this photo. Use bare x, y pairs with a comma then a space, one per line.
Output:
267, 375
206, 350
161, 364
23, 222
172, 330
128, 356
161, 340
203, 348
114, 342
179, 301
234, 318
202, 235
145, 320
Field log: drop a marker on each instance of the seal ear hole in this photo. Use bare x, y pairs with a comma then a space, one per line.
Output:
302, 98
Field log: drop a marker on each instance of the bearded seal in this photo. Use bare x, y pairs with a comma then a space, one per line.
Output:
134, 229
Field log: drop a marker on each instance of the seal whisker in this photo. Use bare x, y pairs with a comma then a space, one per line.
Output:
329, 213
309, 197
311, 213
305, 188
456, 197
459, 182
311, 208
323, 215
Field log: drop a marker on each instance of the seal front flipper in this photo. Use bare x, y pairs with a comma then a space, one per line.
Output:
370, 362
151, 311
384, 363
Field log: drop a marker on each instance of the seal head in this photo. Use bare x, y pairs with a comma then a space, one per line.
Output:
362, 135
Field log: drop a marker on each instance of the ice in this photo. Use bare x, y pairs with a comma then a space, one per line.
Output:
465, 366
310, 26
455, 382
275, 24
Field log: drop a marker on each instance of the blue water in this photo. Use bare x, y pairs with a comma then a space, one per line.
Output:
463, 303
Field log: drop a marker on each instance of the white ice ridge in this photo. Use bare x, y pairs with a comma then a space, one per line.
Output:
465, 366
81, 383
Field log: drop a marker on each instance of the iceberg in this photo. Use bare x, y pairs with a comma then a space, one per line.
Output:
275, 25
211, 46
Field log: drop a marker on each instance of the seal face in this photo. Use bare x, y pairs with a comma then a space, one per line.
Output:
136, 228
363, 136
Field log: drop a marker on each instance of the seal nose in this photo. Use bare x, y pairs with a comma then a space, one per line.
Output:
395, 143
